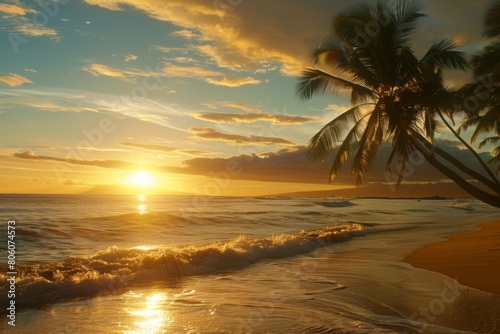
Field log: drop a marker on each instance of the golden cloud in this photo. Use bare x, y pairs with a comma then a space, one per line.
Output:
234, 82
171, 70
232, 41
10, 9
99, 69
185, 33
14, 80
249, 118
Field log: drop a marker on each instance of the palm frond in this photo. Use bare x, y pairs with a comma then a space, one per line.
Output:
333, 133
443, 55
488, 61
315, 81
368, 146
490, 141
492, 20
408, 13
347, 146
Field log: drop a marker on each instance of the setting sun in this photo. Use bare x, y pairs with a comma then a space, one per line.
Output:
142, 180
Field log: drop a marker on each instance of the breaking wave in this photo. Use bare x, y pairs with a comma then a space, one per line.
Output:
114, 269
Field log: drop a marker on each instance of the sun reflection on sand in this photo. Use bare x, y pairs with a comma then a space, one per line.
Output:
150, 312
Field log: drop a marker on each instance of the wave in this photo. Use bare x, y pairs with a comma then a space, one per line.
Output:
462, 206
115, 269
336, 204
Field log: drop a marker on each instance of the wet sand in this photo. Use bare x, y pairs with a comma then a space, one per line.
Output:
472, 258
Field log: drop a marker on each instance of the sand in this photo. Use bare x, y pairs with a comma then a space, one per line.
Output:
472, 258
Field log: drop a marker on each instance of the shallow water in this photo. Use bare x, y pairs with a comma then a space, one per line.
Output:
162, 264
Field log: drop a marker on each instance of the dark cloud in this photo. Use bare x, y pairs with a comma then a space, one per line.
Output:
286, 165
116, 164
212, 134
291, 165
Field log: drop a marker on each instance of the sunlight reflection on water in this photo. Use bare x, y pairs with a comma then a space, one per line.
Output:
142, 208
151, 315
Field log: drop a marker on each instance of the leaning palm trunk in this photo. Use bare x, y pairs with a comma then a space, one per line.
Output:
491, 199
395, 97
490, 173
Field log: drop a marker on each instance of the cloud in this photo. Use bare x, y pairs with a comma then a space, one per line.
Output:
14, 80
285, 165
210, 76
73, 183
291, 165
115, 164
185, 33
249, 118
338, 109
237, 105
230, 37
67, 100
168, 70
171, 70
130, 57
161, 148
35, 30
235, 82
19, 23
184, 60
212, 134
11, 9
99, 69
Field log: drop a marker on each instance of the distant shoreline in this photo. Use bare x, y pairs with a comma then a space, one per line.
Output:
333, 197
291, 195
472, 258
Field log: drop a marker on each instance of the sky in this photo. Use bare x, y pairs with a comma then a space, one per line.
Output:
198, 95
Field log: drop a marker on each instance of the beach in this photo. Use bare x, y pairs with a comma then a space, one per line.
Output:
473, 258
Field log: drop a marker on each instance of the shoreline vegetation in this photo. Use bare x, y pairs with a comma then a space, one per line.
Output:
472, 258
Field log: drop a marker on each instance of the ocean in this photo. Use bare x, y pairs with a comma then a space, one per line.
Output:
180, 264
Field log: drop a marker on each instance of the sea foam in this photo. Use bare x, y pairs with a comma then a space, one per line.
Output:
115, 269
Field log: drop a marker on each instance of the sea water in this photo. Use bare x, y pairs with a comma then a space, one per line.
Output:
180, 264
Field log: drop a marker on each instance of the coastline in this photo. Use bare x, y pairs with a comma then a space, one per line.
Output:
472, 258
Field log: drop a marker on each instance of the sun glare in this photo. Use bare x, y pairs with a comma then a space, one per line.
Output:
141, 180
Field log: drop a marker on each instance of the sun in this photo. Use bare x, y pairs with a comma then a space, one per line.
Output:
141, 180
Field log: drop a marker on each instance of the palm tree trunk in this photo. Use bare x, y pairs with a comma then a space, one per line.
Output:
476, 155
455, 162
478, 193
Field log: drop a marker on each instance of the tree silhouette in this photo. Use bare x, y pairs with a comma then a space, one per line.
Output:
395, 97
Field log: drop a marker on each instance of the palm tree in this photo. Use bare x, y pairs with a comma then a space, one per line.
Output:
394, 96
486, 116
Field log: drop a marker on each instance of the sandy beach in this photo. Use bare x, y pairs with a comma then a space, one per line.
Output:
471, 258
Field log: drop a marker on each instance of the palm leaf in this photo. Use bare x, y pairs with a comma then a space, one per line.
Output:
344, 150
408, 13
442, 54
333, 133
492, 20
489, 141
369, 146
315, 81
